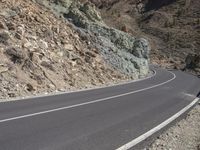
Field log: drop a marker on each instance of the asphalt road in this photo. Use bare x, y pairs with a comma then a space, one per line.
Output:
98, 119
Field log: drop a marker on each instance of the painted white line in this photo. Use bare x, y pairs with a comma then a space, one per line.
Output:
87, 103
81, 90
157, 128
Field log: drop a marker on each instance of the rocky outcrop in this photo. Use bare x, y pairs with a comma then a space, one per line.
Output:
128, 54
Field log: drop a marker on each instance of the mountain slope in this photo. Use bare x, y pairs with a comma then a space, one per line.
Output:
172, 27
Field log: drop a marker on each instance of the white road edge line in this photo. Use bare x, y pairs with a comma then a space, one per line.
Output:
157, 128
87, 103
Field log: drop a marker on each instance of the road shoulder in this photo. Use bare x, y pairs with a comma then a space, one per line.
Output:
183, 135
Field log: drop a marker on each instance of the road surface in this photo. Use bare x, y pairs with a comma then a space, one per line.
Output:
99, 119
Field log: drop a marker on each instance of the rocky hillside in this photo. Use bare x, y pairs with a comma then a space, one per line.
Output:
41, 51
124, 52
172, 27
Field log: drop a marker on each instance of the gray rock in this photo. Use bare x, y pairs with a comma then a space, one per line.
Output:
141, 48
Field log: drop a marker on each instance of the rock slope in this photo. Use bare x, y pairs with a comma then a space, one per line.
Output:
42, 52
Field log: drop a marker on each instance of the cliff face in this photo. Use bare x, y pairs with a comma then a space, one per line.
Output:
172, 26
42, 52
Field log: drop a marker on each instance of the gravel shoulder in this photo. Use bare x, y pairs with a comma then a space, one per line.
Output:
184, 135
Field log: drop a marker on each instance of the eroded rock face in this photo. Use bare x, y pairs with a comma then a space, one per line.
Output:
128, 54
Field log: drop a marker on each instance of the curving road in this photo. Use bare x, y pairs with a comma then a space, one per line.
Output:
116, 117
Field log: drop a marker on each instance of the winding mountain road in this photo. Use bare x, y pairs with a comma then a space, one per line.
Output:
109, 118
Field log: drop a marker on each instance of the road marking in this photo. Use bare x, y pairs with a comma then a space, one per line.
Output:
157, 128
87, 103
